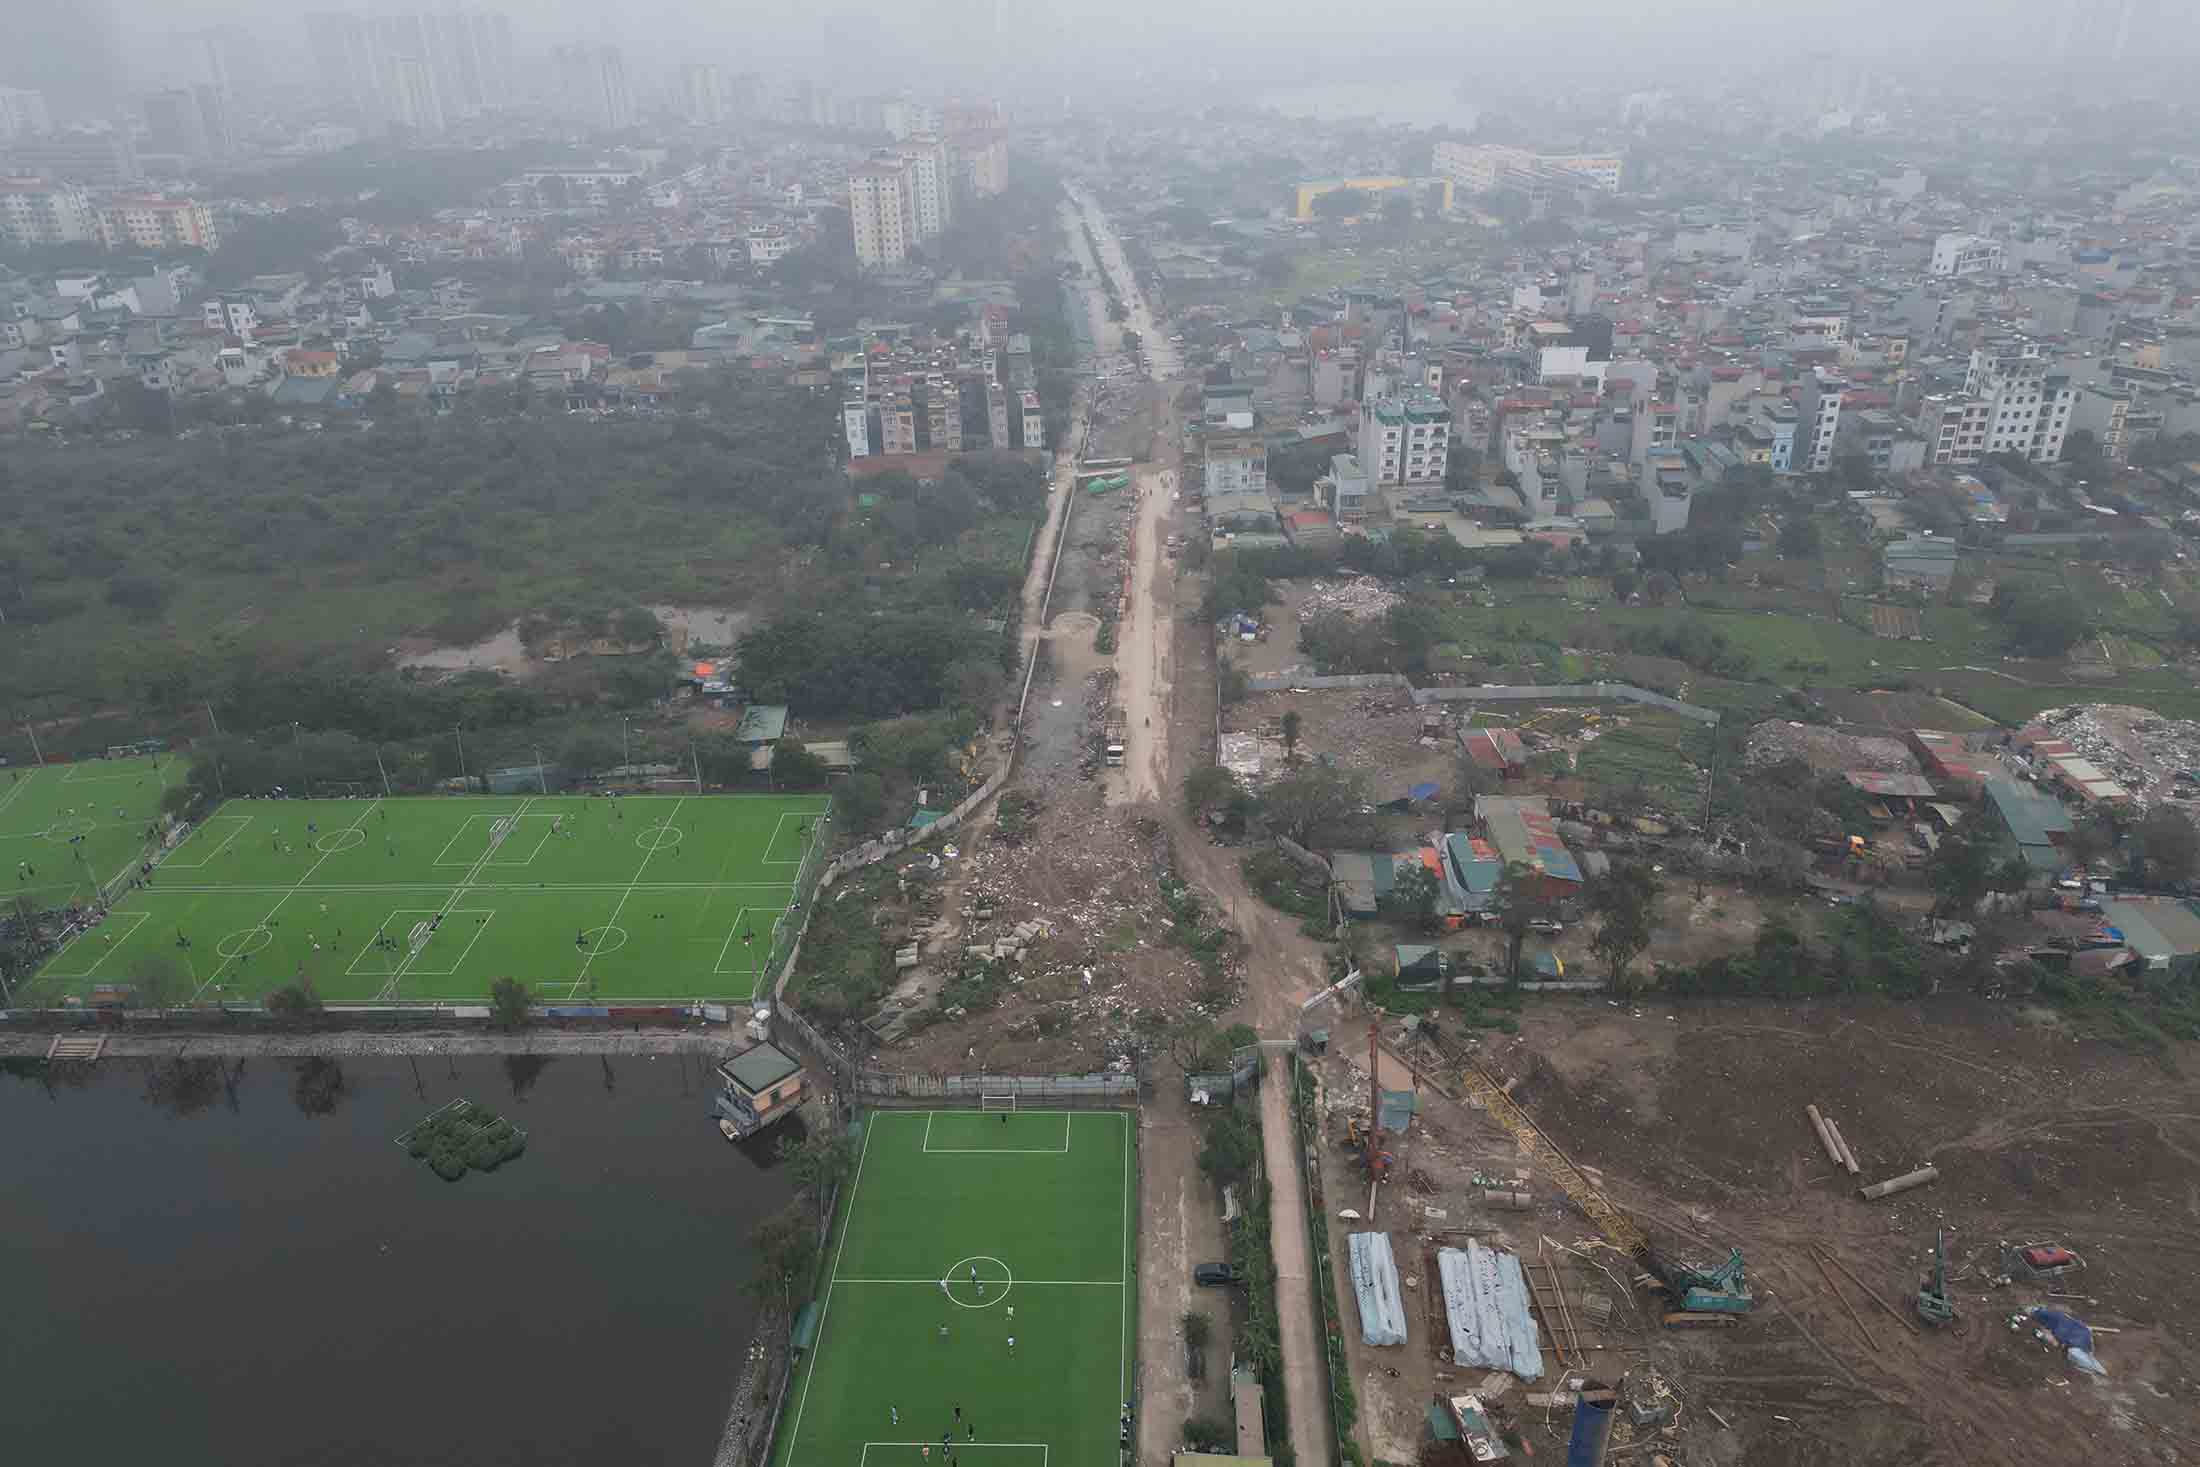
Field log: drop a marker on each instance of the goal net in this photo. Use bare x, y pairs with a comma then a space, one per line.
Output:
997, 1102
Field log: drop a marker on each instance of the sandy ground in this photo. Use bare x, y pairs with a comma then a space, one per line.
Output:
1142, 659
1305, 1379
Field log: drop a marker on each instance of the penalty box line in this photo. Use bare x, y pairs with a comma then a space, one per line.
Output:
107, 948
931, 1150
492, 855
961, 1446
239, 822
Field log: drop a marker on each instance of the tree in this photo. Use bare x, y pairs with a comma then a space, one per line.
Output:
1412, 899
819, 1164
2039, 623
1233, 683
1207, 787
1198, 1329
637, 626
510, 1004
796, 768
1963, 869
1625, 906
1799, 537
1313, 798
785, 1248
294, 1004
1520, 903
2168, 846
1342, 203
1197, 1044
861, 800
1291, 736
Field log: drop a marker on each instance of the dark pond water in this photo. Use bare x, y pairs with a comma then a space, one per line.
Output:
203, 1262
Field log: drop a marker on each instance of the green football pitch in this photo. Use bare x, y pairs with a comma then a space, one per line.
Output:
404, 900
67, 829
964, 1229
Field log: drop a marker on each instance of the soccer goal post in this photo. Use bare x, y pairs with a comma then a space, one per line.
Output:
1002, 1101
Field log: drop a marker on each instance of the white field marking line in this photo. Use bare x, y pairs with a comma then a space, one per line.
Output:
718, 969
70, 775
802, 847
613, 919
825, 1310
17, 787
108, 947
93, 829
487, 915
247, 888
170, 863
865, 1458
460, 834
286, 896
352, 969
496, 860
1123, 1305
1014, 1283
464, 884
928, 1130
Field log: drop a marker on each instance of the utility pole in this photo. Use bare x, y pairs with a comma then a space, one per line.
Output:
626, 745
36, 755
380, 770
211, 719
542, 781
458, 732
697, 762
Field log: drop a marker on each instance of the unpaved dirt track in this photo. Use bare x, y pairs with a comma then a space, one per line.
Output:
1142, 649
1305, 1383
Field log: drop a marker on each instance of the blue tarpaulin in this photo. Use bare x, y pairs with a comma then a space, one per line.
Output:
1375, 1283
1422, 792
2071, 1334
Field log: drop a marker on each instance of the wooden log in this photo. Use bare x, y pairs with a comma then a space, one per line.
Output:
1902, 1183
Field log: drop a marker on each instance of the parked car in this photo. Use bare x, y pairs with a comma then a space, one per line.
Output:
1213, 1275
1546, 926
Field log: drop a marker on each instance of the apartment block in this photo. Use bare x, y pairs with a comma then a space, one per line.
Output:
151, 222
1034, 421
931, 183
1405, 439
2030, 406
34, 212
1966, 254
882, 213
1479, 168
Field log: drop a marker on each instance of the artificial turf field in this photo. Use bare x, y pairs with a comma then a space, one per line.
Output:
402, 900
1040, 1205
108, 802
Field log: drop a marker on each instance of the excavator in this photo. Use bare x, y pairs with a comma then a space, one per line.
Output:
1935, 1305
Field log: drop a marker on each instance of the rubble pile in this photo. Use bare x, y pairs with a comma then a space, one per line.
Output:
1362, 598
1825, 750
2156, 758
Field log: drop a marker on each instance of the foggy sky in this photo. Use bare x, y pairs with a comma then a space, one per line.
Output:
1083, 46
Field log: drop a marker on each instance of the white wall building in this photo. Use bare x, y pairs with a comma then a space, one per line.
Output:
1405, 439
932, 183
33, 213
703, 93
882, 213
1480, 167
855, 421
1821, 422
1966, 254
2028, 407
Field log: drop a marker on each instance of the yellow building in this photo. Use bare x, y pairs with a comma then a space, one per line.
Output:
1314, 189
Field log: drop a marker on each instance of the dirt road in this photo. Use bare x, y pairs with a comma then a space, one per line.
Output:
1142, 649
1306, 1385
1181, 1226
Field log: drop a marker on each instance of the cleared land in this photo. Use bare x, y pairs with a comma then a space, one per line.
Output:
964, 1229
67, 829
411, 899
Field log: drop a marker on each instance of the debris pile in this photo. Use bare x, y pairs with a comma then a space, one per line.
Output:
2157, 759
1776, 741
1362, 598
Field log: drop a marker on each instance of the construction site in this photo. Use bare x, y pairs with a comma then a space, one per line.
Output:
1755, 1234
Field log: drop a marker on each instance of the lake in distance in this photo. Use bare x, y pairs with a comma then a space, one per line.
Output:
215, 1264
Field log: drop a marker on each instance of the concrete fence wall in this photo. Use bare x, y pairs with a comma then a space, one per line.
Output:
1529, 693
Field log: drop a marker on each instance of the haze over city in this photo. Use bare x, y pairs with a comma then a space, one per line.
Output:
1135, 734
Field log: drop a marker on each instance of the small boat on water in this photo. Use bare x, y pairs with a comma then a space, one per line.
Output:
728, 1129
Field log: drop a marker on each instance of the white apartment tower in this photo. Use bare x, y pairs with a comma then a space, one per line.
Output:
593, 86
703, 93
1405, 439
882, 213
932, 183
2029, 408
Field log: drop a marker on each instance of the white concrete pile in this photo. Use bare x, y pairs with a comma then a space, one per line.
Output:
1362, 598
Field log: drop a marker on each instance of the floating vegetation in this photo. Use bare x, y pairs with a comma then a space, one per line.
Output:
463, 1137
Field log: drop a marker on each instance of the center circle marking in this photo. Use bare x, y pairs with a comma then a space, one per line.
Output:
660, 837
244, 941
68, 827
606, 939
340, 840
958, 1277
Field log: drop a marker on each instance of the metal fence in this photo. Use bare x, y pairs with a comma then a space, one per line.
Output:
1243, 1074
885, 1087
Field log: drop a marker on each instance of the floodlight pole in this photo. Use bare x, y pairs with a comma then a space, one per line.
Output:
626, 745
697, 761
211, 719
380, 770
458, 732
35, 752
542, 781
